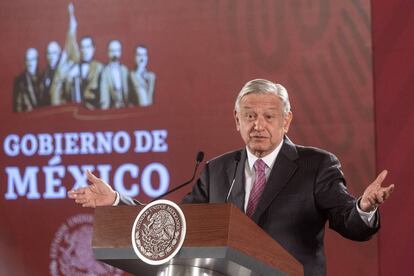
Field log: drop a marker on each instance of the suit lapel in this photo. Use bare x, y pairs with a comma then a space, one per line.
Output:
237, 193
282, 171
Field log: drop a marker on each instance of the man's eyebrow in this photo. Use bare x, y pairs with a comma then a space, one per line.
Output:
266, 109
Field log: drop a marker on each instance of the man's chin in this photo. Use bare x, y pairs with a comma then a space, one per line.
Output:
259, 150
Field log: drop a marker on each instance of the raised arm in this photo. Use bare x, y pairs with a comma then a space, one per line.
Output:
71, 46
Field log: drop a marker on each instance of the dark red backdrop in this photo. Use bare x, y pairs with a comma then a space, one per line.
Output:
202, 53
393, 41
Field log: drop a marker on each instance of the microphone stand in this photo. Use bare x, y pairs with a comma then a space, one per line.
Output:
236, 160
199, 158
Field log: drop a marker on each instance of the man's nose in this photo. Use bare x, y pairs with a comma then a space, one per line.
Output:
259, 123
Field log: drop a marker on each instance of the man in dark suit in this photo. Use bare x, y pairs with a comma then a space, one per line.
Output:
304, 189
26, 88
288, 190
82, 84
114, 89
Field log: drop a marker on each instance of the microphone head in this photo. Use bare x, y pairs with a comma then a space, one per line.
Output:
237, 157
200, 157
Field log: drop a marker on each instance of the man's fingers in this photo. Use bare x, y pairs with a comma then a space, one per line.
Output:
85, 201
81, 200
380, 178
375, 194
387, 191
371, 200
90, 204
80, 197
76, 193
91, 177
379, 198
390, 188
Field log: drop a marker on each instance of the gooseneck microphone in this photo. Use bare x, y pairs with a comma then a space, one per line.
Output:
199, 158
236, 160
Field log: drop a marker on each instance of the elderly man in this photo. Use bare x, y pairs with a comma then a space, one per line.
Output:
142, 80
114, 81
82, 85
50, 76
26, 90
289, 190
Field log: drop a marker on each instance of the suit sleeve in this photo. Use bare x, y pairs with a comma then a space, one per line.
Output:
333, 198
126, 200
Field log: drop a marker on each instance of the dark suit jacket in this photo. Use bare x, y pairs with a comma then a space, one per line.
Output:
305, 189
26, 91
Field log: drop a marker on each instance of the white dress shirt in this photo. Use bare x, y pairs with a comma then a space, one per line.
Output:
116, 75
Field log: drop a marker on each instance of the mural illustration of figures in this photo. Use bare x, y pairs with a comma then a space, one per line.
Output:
73, 76
142, 80
26, 91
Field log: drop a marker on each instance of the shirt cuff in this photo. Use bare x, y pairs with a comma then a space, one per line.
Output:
116, 202
367, 217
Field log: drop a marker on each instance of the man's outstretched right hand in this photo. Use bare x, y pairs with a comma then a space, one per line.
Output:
98, 193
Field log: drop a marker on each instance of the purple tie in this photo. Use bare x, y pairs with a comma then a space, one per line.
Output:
258, 186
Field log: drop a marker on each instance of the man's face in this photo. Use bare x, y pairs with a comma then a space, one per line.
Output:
31, 60
261, 122
114, 50
141, 57
87, 49
52, 54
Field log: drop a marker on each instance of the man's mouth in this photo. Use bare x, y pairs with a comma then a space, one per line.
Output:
258, 137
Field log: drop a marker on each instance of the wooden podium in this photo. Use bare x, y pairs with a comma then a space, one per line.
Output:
220, 240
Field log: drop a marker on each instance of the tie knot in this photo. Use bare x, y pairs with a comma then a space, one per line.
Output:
259, 165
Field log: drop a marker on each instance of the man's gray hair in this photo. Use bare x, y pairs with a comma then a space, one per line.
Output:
262, 86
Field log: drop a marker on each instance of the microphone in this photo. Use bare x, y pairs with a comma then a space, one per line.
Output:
199, 158
236, 160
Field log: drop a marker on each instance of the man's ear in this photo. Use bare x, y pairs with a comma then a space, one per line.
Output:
287, 120
236, 120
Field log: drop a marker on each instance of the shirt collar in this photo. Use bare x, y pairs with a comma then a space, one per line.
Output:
268, 159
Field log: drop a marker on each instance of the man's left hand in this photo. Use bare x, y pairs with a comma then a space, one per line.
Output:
375, 194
